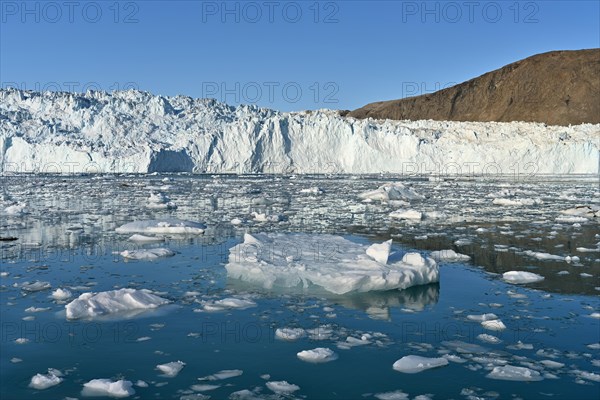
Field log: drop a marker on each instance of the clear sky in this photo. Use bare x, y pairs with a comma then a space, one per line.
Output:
287, 55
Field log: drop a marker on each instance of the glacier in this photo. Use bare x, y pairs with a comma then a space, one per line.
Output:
137, 132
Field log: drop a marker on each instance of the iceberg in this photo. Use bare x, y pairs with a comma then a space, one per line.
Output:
170, 225
90, 305
329, 262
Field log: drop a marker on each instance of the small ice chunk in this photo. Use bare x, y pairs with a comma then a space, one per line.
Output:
21, 340
318, 355
482, 317
106, 387
224, 374
313, 190
35, 286
521, 277
289, 334
146, 239
493, 325
44, 381
229, 303
543, 256
171, 225
552, 364
595, 315
512, 373
282, 387
147, 254
97, 304
449, 256
412, 364
395, 395
484, 337
380, 251
61, 294
408, 214
170, 370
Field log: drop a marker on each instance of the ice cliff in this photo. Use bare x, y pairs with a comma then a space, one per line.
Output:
133, 131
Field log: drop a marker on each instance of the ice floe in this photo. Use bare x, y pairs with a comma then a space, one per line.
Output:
165, 226
229, 303
493, 325
145, 239
412, 364
171, 369
224, 374
407, 214
282, 387
61, 294
521, 277
449, 256
391, 191
290, 334
512, 373
317, 355
330, 262
45, 381
90, 305
107, 387
147, 254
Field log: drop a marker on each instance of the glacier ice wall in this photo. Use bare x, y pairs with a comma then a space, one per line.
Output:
133, 131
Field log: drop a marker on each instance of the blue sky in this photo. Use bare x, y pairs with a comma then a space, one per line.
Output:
287, 55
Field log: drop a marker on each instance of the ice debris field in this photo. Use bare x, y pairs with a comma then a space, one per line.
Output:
279, 286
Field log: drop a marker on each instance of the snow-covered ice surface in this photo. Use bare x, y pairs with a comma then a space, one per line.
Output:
132, 131
67, 245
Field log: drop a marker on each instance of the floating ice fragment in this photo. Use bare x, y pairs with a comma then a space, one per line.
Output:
282, 387
290, 334
413, 215
348, 267
145, 239
494, 325
449, 256
170, 370
147, 254
106, 387
412, 364
35, 286
44, 381
97, 304
395, 395
229, 303
521, 277
171, 225
224, 374
61, 294
484, 337
482, 317
318, 355
512, 373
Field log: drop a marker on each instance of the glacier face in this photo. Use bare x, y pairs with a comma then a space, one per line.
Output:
133, 131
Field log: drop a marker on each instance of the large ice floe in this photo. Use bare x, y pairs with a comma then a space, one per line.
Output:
90, 305
330, 262
146, 133
165, 226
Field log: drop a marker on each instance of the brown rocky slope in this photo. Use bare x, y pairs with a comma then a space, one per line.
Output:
557, 88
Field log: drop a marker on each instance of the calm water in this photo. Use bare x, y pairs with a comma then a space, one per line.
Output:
68, 240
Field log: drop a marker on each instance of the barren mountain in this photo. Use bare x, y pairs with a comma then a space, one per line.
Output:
557, 88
